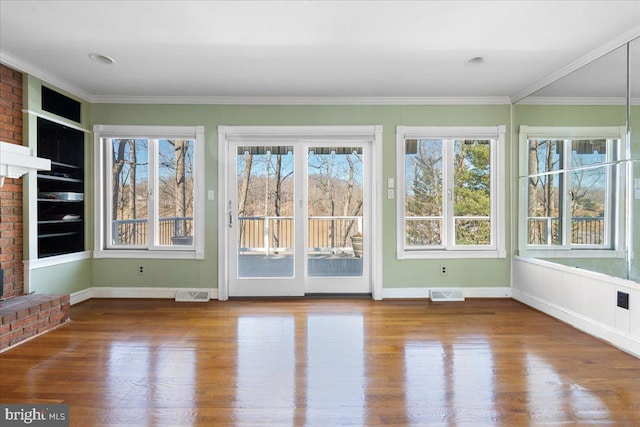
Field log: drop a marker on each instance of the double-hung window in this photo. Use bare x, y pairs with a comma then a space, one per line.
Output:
450, 192
149, 191
568, 189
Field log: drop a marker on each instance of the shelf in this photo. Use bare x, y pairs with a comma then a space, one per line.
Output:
60, 201
60, 192
64, 165
49, 235
59, 221
58, 178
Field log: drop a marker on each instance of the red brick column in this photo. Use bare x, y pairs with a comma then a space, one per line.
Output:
11, 191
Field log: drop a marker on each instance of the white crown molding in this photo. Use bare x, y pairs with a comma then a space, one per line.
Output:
550, 100
580, 62
18, 64
274, 100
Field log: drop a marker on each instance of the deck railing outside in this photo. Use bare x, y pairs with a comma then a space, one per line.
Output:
135, 232
273, 234
257, 234
584, 231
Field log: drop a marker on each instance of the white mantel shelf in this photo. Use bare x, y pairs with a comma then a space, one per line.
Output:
16, 160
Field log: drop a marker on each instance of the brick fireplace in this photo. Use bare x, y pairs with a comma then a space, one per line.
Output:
21, 316
11, 192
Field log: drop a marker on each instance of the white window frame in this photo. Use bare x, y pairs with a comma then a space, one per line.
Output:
497, 248
102, 185
615, 212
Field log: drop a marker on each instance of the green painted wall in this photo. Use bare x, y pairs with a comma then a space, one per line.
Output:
407, 273
64, 278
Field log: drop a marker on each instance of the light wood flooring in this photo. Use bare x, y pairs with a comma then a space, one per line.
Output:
322, 362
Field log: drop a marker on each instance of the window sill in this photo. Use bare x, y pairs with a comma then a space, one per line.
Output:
450, 254
146, 254
572, 253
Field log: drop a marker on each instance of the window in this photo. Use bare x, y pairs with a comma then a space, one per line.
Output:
450, 192
148, 185
568, 189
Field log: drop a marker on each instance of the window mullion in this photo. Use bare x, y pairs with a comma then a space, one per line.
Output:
567, 202
153, 193
448, 196
108, 179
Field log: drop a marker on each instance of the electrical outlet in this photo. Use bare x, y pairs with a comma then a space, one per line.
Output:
141, 270
623, 300
443, 270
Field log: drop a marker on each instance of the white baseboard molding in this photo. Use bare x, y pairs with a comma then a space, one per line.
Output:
408, 293
624, 342
170, 293
122, 292
83, 295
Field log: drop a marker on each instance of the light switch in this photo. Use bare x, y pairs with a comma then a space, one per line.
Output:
390, 194
211, 195
391, 183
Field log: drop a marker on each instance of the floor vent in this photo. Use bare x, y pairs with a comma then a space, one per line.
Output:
192, 296
438, 295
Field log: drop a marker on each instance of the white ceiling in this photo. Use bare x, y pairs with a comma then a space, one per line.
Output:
304, 49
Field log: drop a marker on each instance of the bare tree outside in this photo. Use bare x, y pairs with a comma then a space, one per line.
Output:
584, 200
131, 188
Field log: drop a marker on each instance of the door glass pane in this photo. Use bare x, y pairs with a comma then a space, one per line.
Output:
265, 184
472, 192
423, 192
175, 198
335, 198
129, 191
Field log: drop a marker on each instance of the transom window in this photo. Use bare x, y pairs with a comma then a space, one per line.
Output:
568, 189
149, 180
450, 197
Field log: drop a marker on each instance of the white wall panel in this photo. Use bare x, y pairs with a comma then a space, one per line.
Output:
584, 299
585, 295
623, 316
603, 302
552, 286
634, 312
571, 292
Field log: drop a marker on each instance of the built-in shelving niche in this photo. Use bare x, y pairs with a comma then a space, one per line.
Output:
61, 190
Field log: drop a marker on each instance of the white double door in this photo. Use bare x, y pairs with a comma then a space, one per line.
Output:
294, 211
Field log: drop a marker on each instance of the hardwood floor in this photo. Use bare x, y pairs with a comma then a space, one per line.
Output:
322, 362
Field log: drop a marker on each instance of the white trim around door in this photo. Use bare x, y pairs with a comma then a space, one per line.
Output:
231, 135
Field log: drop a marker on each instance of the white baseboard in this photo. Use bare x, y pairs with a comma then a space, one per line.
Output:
122, 292
621, 340
490, 292
83, 295
170, 293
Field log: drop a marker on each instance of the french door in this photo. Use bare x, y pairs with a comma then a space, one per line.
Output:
298, 215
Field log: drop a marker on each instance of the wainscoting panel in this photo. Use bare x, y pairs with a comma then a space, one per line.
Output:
586, 300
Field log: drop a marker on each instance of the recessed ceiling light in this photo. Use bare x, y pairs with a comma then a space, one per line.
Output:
475, 61
101, 59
